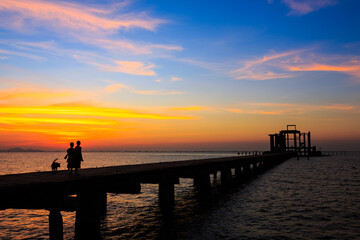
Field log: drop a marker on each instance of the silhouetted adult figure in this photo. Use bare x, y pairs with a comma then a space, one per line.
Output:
78, 157
70, 156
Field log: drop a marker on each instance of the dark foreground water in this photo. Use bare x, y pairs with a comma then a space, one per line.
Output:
299, 199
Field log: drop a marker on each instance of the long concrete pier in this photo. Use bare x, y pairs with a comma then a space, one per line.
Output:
87, 194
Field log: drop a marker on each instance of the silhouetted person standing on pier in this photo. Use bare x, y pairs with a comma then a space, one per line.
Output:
70, 156
78, 157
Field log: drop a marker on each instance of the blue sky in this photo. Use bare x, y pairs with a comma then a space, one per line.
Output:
253, 66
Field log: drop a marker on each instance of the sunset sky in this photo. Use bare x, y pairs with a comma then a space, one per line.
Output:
178, 75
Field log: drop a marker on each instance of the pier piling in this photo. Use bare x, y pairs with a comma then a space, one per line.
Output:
90, 209
226, 176
202, 183
166, 192
55, 225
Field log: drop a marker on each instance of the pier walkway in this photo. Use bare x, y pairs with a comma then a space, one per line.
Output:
87, 194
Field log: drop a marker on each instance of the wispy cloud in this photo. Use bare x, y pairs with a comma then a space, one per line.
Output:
85, 111
118, 87
134, 68
267, 58
42, 45
190, 108
269, 108
302, 7
348, 67
266, 75
287, 64
254, 112
274, 108
33, 96
339, 107
97, 24
74, 16
115, 88
263, 69
38, 50
156, 92
127, 46
174, 79
205, 65
7, 53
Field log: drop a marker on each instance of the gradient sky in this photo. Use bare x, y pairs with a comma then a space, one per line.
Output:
178, 75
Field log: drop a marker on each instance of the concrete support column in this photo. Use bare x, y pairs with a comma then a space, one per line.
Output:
246, 170
55, 225
238, 172
202, 182
265, 164
166, 193
103, 203
255, 167
225, 176
261, 167
87, 223
215, 175
309, 144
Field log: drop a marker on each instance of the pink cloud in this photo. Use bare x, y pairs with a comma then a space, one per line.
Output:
190, 108
275, 108
303, 7
118, 87
175, 79
251, 75
351, 68
156, 92
33, 95
287, 64
115, 87
262, 69
254, 112
90, 24
340, 107
267, 58
21, 54
130, 46
134, 68
74, 16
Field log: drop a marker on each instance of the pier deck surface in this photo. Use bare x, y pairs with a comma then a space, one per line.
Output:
14, 180
61, 191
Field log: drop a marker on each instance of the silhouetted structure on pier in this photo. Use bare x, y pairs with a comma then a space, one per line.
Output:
293, 140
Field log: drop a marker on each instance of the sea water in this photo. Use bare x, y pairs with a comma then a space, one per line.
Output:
317, 198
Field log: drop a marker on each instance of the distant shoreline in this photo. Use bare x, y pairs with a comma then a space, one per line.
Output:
150, 151
21, 150
14, 150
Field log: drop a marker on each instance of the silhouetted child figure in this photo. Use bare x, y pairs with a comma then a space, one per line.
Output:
78, 157
70, 157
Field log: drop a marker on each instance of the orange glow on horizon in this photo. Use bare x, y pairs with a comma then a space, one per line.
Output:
54, 126
59, 123
85, 111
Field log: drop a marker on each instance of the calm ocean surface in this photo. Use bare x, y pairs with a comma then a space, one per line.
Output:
299, 199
